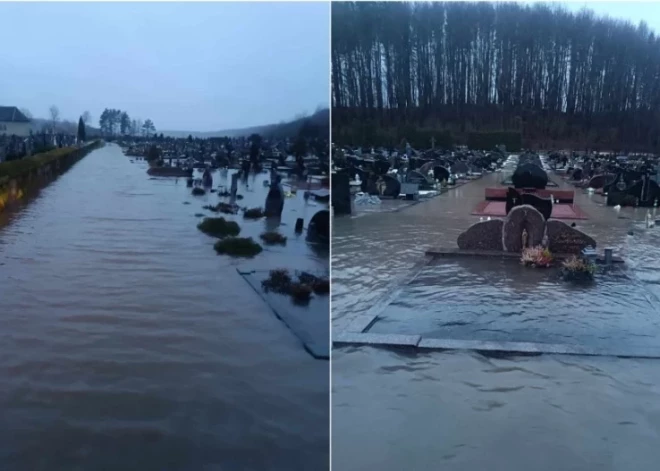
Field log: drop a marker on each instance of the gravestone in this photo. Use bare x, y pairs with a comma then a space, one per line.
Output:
515, 198
578, 174
520, 219
319, 226
597, 181
234, 184
341, 193
411, 190
563, 239
420, 179
460, 168
388, 186
381, 167
274, 200
529, 175
484, 235
440, 173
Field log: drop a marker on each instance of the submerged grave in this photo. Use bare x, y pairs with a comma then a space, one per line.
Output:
480, 297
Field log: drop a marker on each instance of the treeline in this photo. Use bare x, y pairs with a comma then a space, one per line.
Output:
117, 122
538, 69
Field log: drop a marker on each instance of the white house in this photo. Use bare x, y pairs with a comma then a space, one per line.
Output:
13, 122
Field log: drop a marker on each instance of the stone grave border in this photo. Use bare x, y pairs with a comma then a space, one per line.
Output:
357, 332
280, 305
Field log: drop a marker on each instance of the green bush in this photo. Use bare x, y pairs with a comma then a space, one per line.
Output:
316, 284
300, 292
219, 227
278, 281
238, 247
254, 213
272, 238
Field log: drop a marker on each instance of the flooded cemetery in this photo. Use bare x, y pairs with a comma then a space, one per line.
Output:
442, 297
145, 271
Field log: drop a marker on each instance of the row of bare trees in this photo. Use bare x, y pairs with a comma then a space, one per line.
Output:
503, 56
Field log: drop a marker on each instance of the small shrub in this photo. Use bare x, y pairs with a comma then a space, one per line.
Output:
219, 227
227, 208
224, 193
321, 286
199, 215
272, 238
300, 293
198, 191
238, 247
253, 213
278, 281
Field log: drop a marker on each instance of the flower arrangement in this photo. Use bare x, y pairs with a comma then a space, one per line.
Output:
537, 257
577, 269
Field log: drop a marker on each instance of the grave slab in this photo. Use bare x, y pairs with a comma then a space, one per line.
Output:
495, 304
385, 340
309, 323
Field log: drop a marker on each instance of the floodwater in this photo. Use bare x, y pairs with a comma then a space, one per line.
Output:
462, 411
127, 343
502, 301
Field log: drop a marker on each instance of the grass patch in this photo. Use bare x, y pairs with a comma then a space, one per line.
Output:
198, 191
273, 238
219, 227
253, 213
238, 247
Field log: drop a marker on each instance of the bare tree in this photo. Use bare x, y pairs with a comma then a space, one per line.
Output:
54, 116
461, 67
26, 112
86, 117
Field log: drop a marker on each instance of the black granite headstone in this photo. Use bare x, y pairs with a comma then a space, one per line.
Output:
529, 175
319, 226
341, 193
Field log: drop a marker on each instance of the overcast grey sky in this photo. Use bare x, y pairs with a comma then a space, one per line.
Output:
186, 66
630, 10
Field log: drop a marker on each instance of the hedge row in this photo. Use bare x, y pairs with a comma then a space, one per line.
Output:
16, 168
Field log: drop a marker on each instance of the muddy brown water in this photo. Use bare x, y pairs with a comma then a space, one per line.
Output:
463, 411
127, 343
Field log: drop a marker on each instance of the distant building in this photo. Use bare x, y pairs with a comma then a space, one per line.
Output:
12, 121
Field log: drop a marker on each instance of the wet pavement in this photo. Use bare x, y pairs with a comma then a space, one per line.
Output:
460, 410
129, 344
